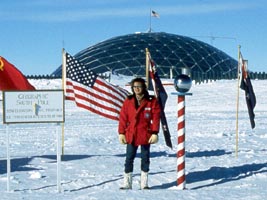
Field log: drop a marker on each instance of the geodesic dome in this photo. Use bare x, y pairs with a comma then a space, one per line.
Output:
126, 55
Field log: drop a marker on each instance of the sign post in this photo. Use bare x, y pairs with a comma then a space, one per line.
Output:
58, 159
8, 158
40, 106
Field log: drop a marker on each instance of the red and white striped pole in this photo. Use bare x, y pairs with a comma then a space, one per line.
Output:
182, 85
181, 143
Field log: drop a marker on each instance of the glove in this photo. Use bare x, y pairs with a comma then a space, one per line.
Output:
153, 139
122, 139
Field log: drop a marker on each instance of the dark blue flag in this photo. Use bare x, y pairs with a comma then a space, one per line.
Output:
156, 85
246, 85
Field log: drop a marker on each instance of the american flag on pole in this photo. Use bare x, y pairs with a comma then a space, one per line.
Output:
154, 14
161, 95
245, 84
91, 92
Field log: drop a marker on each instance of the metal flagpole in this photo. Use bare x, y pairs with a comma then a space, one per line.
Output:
64, 89
237, 101
147, 68
150, 30
64, 70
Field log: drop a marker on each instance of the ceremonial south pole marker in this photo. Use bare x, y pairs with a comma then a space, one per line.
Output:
182, 84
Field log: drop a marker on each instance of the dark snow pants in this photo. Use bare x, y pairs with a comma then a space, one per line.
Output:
131, 154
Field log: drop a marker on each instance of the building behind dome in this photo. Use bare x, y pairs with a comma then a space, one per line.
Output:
126, 55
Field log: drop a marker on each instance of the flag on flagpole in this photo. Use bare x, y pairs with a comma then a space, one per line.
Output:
245, 84
154, 14
11, 78
161, 95
91, 92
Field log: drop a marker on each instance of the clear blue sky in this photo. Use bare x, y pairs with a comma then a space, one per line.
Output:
33, 32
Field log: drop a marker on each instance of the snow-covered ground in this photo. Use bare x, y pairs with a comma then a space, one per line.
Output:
93, 160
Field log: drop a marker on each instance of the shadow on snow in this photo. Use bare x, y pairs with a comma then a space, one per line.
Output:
219, 175
218, 152
222, 175
24, 164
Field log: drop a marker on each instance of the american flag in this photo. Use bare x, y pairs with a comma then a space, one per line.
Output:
161, 96
245, 84
154, 14
91, 92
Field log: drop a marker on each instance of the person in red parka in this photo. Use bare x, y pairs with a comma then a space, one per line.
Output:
139, 124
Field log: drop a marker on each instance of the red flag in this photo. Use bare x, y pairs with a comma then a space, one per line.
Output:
91, 92
161, 96
245, 84
11, 78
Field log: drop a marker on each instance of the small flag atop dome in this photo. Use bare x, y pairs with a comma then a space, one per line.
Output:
154, 14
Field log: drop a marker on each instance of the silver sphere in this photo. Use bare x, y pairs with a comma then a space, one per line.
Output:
182, 83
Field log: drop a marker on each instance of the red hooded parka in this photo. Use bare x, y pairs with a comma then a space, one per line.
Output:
139, 124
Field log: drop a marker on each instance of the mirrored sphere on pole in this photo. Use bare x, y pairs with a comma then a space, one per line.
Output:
182, 83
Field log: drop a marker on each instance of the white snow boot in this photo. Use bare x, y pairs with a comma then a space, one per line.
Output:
127, 181
144, 180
